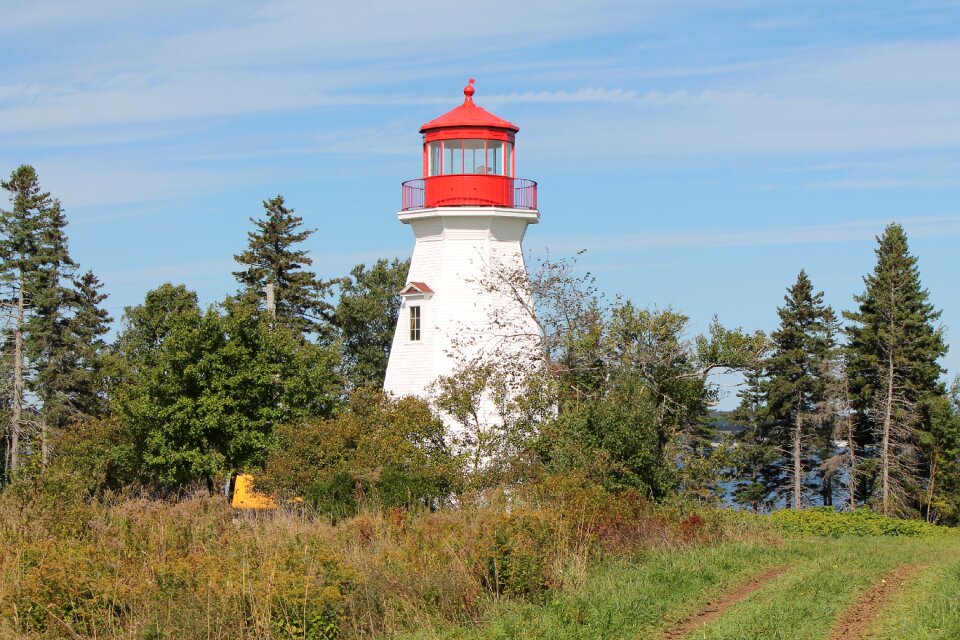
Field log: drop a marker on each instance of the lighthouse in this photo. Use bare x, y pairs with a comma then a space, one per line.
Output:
468, 213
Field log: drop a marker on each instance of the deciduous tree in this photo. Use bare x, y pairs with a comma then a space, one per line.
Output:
366, 316
206, 389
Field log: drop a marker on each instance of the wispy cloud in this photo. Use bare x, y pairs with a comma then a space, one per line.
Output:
778, 24
856, 230
26, 14
179, 272
79, 184
889, 183
191, 271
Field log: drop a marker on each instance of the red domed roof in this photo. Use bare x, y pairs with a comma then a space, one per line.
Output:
469, 115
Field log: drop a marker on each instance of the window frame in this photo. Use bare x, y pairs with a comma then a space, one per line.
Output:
415, 326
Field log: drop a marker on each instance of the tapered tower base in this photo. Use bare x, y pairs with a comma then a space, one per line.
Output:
446, 316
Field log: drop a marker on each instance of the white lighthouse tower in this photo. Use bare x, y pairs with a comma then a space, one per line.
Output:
468, 213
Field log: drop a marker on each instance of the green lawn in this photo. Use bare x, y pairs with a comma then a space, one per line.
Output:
640, 599
929, 607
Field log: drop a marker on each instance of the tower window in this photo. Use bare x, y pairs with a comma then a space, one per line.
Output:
495, 157
414, 323
473, 156
435, 150
452, 156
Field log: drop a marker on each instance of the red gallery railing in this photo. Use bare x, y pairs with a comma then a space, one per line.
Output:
412, 197
469, 189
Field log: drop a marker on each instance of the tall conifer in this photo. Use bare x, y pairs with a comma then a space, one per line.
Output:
48, 341
20, 262
273, 257
44, 346
87, 327
894, 348
797, 379
756, 458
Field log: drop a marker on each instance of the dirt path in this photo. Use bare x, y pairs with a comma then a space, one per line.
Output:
713, 610
855, 621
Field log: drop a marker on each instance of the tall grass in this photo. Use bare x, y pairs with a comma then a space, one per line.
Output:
137, 568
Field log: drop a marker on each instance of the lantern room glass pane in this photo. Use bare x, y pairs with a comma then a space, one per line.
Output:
495, 157
474, 156
433, 158
509, 159
452, 156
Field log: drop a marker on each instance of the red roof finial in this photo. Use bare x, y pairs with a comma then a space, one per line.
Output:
469, 91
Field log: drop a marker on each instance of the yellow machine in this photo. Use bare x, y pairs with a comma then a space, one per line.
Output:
244, 497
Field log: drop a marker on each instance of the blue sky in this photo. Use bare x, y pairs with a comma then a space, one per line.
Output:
701, 152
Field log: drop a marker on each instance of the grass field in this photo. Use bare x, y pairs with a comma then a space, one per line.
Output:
595, 566
826, 576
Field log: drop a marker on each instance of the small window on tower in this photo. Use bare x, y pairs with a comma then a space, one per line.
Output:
414, 323
508, 161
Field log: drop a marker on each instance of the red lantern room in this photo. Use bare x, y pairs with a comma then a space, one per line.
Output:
468, 161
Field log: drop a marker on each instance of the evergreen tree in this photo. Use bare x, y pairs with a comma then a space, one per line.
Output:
33, 262
941, 446
272, 258
366, 316
49, 344
755, 467
893, 353
798, 378
87, 327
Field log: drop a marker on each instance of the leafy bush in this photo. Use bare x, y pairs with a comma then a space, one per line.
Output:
515, 555
381, 451
826, 521
92, 456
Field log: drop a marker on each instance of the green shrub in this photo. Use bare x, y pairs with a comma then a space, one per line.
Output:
826, 521
379, 451
516, 555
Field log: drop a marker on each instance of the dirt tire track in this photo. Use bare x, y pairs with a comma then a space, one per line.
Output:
857, 618
716, 608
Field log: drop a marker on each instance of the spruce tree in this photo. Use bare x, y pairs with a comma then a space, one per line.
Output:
798, 378
87, 327
49, 345
273, 258
20, 262
893, 352
941, 447
45, 342
755, 467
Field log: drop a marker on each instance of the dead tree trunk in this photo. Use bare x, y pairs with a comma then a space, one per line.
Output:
44, 443
930, 486
16, 401
851, 446
271, 299
885, 440
797, 462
